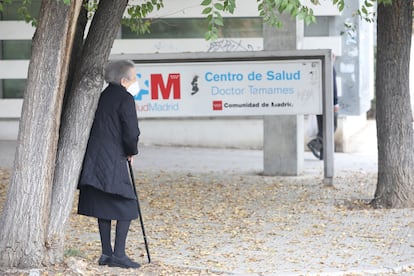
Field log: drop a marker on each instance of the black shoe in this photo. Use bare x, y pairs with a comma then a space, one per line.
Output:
105, 260
315, 146
123, 262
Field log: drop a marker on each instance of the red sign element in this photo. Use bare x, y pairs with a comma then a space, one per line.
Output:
217, 105
158, 86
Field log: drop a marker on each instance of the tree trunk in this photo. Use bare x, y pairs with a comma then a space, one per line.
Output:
77, 49
25, 215
51, 255
395, 187
77, 118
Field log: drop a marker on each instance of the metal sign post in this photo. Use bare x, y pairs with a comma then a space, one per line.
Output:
328, 121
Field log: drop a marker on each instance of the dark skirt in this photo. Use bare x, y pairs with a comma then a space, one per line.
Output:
98, 204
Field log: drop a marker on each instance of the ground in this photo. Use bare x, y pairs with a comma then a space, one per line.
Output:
224, 223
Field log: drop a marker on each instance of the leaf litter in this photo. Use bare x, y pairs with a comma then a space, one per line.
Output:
223, 223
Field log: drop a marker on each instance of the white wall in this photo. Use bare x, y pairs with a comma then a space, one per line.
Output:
209, 132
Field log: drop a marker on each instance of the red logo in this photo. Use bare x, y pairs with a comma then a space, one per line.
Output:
217, 105
158, 86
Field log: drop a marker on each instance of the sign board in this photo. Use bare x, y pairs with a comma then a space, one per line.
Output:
229, 88
256, 83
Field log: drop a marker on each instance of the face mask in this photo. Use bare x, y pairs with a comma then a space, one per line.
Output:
134, 88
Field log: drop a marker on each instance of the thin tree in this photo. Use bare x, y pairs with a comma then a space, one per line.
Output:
395, 187
25, 214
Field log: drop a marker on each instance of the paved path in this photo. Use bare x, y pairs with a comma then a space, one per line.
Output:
364, 158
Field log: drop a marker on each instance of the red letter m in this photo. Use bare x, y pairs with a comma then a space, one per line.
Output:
157, 85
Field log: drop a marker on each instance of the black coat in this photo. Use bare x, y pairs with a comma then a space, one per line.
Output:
113, 137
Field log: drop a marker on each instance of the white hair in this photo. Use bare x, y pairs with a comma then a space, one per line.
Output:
116, 70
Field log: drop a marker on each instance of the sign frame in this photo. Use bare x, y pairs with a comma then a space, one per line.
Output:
324, 55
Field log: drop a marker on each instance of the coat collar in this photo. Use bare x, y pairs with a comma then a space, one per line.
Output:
118, 86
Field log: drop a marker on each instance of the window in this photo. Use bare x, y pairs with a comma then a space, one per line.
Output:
15, 49
321, 28
196, 28
11, 11
12, 89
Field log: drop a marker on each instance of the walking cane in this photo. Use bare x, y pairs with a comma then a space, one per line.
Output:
139, 211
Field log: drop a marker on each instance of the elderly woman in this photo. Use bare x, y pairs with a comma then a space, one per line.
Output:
106, 190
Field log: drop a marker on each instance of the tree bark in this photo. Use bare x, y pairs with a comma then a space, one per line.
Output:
53, 256
25, 215
395, 187
77, 118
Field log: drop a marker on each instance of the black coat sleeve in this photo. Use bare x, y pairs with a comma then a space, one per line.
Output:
129, 124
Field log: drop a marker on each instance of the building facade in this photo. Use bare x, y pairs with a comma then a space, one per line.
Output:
180, 28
